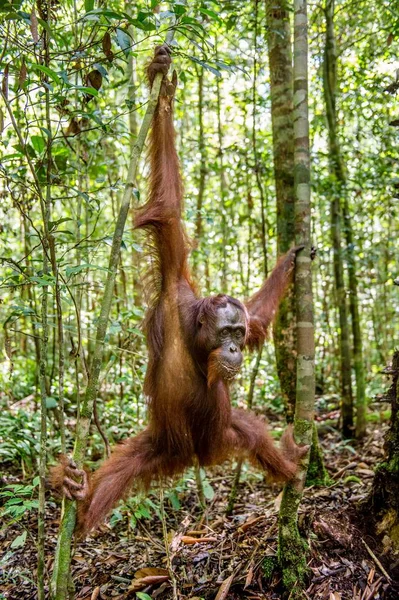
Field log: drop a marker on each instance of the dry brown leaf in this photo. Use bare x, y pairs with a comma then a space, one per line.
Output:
139, 584
111, 560
149, 571
249, 577
277, 501
79, 558
250, 522
224, 588
186, 539
371, 575
366, 472
106, 44
96, 593
73, 127
94, 79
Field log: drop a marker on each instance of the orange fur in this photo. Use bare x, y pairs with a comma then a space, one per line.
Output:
263, 305
190, 414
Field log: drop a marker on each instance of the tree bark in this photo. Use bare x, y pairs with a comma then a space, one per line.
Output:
202, 170
292, 548
383, 501
338, 184
281, 91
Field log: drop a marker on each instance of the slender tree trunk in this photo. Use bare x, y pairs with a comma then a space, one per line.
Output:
199, 224
338, 190
223, 190
45, 331
202, 170
292, 554
358, 359
63, 555
263, 208
281, 90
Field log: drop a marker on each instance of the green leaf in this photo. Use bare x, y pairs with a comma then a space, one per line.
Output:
191, 21
38, 143
145, 26
179, 9
110, 14
124, 41
206, 66
52, 225
89, 5
46, 131
14, 501
87, 90
44, 280
174, 500
47, 71
84, 266
108, 241
51, 402
143, 596
133, 522
210, 13
17, 309
208, 489
19, 541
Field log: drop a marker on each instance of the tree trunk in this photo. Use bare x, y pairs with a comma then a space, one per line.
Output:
292, 548
384, 497
202, 171
223, 190
281, 91
338, 184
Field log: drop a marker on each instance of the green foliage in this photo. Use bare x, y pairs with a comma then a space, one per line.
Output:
16, 501
143, 596
18, 438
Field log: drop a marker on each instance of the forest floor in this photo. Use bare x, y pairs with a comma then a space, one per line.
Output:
228, 558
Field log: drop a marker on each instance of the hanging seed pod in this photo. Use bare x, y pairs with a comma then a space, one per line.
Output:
34, 26
4, 83
22, 74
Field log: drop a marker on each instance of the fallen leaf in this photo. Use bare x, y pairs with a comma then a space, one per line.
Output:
250, 522
186, 539
249, 577
143, 582
149, 571
96, 593
224, 588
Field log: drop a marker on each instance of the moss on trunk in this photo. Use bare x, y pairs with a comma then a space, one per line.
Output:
317, 473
